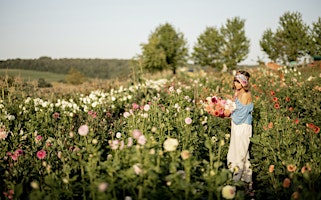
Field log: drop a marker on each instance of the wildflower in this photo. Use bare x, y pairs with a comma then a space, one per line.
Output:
71, 134
295, 195
228, 192
304, 169
102, 186
129, 142
41, 154
83, 130
135, 106
272, 93
146, 107
271, 168
141, 140
3, 134
185, 154
214, 139
296, 121
94, 141
154, 129
59, 154
188, 120
18, 152
286, 183
34, 185
275, 99
170, 144
38, 138
314, 128
287, 99
290, 109
126, 114
65, 180
118, 135
55, 115
291, 168
113, 144
128, 198
137, 169
276, 106
270, 125
136, 134
14, 157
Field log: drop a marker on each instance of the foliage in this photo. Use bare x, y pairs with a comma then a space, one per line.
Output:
269, 45
155, 140
166, 49
42, 83
228, 45
93, 68
75, 77
236, 44
291, 40
315, 48
208, 49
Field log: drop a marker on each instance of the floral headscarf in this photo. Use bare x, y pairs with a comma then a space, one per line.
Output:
242, 79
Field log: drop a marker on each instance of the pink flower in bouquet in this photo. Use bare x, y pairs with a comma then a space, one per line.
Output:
219, 107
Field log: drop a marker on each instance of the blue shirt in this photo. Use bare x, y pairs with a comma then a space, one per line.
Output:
242, 113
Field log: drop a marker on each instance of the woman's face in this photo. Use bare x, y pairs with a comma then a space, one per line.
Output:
237, 84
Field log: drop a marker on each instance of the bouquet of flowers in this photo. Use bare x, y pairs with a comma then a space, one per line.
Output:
218, 106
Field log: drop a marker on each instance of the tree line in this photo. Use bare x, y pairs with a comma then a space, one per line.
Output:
93, 68
228, 45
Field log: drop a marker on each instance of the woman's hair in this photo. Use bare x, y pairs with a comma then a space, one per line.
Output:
247, 75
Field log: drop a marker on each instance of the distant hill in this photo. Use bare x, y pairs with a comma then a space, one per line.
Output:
33, 75
92, 68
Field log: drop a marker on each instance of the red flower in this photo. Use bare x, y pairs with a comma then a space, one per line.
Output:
314, 128
296, 121
286, 183
275, 99
287, 99
272, 92
290, 109
276, 106
55, 115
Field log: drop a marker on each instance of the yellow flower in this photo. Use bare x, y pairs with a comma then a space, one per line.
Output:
228, 192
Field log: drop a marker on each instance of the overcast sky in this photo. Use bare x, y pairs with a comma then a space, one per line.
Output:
116, 28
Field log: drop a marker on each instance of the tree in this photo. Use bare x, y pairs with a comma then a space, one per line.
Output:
166, 49
236, 45
208, 49
315, 48
290, 41
269, 46
75, 77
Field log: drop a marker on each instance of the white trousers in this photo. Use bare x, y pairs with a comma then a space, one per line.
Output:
238, 153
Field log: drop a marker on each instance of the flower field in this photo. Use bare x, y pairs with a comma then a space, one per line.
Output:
155, 140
